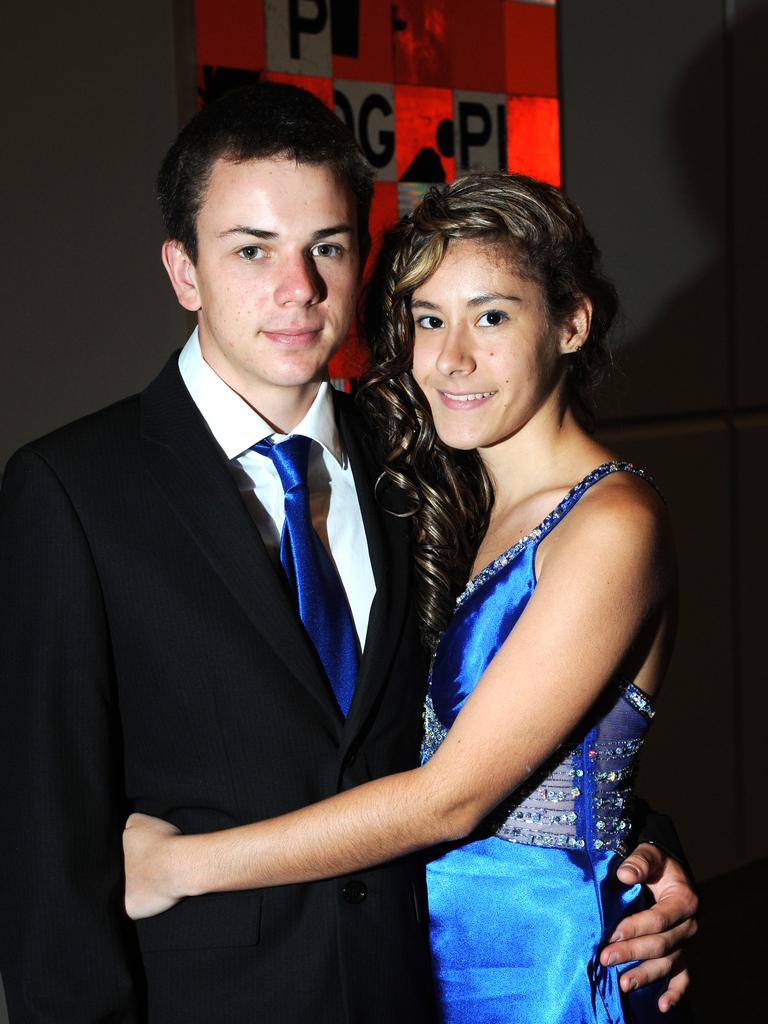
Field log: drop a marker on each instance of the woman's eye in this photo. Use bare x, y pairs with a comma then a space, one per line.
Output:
429, 323
325, 249
492, 318
251, 252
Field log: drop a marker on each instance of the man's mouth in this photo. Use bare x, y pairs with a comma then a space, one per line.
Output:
294, 337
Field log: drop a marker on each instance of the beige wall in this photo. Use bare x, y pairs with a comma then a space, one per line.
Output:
664, 147
90, 108
90, 104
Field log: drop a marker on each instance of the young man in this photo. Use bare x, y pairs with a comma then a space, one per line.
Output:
153, 657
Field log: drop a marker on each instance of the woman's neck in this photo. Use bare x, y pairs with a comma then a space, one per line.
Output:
551, 453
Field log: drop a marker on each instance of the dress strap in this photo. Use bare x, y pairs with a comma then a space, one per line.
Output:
580, 489
532, 539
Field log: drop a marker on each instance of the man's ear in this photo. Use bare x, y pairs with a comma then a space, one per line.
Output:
574, 330
181, 271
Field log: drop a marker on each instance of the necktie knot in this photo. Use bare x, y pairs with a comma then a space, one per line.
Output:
290, 458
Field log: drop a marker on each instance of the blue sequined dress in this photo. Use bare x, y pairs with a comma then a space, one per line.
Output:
518, 912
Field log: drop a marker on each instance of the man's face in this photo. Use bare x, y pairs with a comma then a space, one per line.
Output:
275, 281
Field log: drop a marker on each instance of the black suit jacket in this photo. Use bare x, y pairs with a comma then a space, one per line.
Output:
151, 658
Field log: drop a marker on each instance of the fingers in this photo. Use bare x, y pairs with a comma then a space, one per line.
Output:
661, 920
648, 944
645, 864
648, 971
678, 983
136, 819
672, 967
654, 936
147, 823
657, 919
676, 900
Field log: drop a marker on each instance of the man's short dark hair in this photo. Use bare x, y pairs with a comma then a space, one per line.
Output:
264, 121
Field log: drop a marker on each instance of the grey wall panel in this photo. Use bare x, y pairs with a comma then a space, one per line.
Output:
695, 728
91, 104
88, 314
643, 139
749, 196
752, 568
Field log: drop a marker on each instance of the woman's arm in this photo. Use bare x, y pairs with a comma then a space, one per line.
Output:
604, 573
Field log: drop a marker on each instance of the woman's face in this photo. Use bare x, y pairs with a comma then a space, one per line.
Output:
485, 355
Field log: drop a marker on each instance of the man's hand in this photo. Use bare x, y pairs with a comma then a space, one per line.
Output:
147, 848
655, 936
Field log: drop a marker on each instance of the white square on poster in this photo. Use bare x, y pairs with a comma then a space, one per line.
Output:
480, 131
298, 36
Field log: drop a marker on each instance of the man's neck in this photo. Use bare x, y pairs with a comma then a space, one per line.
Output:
283, 408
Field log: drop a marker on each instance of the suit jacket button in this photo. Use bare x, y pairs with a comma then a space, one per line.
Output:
354, 891
350, 759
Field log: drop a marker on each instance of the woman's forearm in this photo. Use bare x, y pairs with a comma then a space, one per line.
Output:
542, 681
376, 822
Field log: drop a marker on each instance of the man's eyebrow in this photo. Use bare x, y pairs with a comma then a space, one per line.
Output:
334, 229
244, 229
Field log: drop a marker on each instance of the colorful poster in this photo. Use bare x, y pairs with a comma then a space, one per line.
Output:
430, 88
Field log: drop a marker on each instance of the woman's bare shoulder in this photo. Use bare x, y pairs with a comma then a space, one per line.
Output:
621, 515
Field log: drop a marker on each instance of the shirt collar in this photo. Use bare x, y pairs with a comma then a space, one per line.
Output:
235, 425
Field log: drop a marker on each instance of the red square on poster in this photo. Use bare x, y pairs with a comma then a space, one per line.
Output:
420, 40
531, 49
476, 40
230, 33
351, 360
383, 215
533, 137
424, 134
362, 43
320, 87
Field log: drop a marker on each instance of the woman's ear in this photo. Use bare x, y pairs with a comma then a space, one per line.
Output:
574, 330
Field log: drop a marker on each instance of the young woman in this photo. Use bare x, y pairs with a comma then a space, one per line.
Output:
488, 324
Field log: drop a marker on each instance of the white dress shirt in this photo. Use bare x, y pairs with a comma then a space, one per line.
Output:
333, 498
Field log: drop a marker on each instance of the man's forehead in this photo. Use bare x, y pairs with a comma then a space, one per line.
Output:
279, 167
275, 197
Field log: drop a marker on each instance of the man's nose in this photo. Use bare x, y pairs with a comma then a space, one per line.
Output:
299, 282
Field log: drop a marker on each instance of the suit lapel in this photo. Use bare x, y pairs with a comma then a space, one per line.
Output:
192, 472
387, 538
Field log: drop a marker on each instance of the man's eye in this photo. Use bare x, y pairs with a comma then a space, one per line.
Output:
492, 318
429, 323
325, 249
251, 252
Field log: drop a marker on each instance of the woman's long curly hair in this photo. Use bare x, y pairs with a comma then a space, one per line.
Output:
448, 493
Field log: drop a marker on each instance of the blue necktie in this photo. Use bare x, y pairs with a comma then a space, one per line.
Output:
323, 606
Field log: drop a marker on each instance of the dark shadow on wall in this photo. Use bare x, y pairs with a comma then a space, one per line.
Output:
722, 188
727, 958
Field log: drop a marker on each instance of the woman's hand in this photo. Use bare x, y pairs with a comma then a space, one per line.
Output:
148, 847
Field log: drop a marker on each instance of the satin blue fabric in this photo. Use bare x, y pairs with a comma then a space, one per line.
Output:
515, 928
478, 628
322, 603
